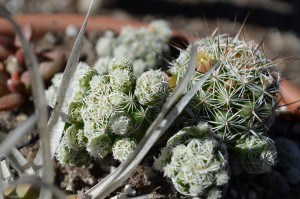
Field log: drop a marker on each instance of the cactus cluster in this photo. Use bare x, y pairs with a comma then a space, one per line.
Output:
114, 102
238, 100
147, 47
109, 113
196, 161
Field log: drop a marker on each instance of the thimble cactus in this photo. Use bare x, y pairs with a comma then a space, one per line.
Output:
147, 47
152, 88
196, 161
106, 114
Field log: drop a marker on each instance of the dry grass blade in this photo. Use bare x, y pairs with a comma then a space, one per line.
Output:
15, 135
56, 123
5, 175
38, 94
114, 180
19, 163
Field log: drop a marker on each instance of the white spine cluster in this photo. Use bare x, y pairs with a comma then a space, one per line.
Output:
121, 124
99, 146
122, 148
195, 161
152, 88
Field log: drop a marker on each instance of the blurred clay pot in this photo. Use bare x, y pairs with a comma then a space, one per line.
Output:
289, 96
35, 26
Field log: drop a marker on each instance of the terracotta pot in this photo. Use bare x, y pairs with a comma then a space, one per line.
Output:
43, 23
40, 24
289, 96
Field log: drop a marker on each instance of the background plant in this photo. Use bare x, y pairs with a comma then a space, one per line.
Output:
147, 47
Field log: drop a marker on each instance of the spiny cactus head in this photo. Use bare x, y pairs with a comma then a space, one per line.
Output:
100, 85
104, 46
144, 115
202, 130
121, 74
99, 146
94, 126
256, 154
74, 112
101, 65
71, 156
121, 80
195, 167
84, 81
135, 44
122, 62
151, 88
123, 147
120, 123
74, 137
161, 28
195, 160
139, 67
214, 194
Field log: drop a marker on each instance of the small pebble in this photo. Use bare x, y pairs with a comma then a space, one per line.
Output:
129, 190
71, 31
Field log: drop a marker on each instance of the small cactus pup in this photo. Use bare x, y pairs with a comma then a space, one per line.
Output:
256, 154
196, 161
239, 99
109, 111
147, 47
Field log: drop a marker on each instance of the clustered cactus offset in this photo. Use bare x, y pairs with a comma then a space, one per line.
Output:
196, 161
109, 112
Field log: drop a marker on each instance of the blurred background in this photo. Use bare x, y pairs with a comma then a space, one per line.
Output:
275, 22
